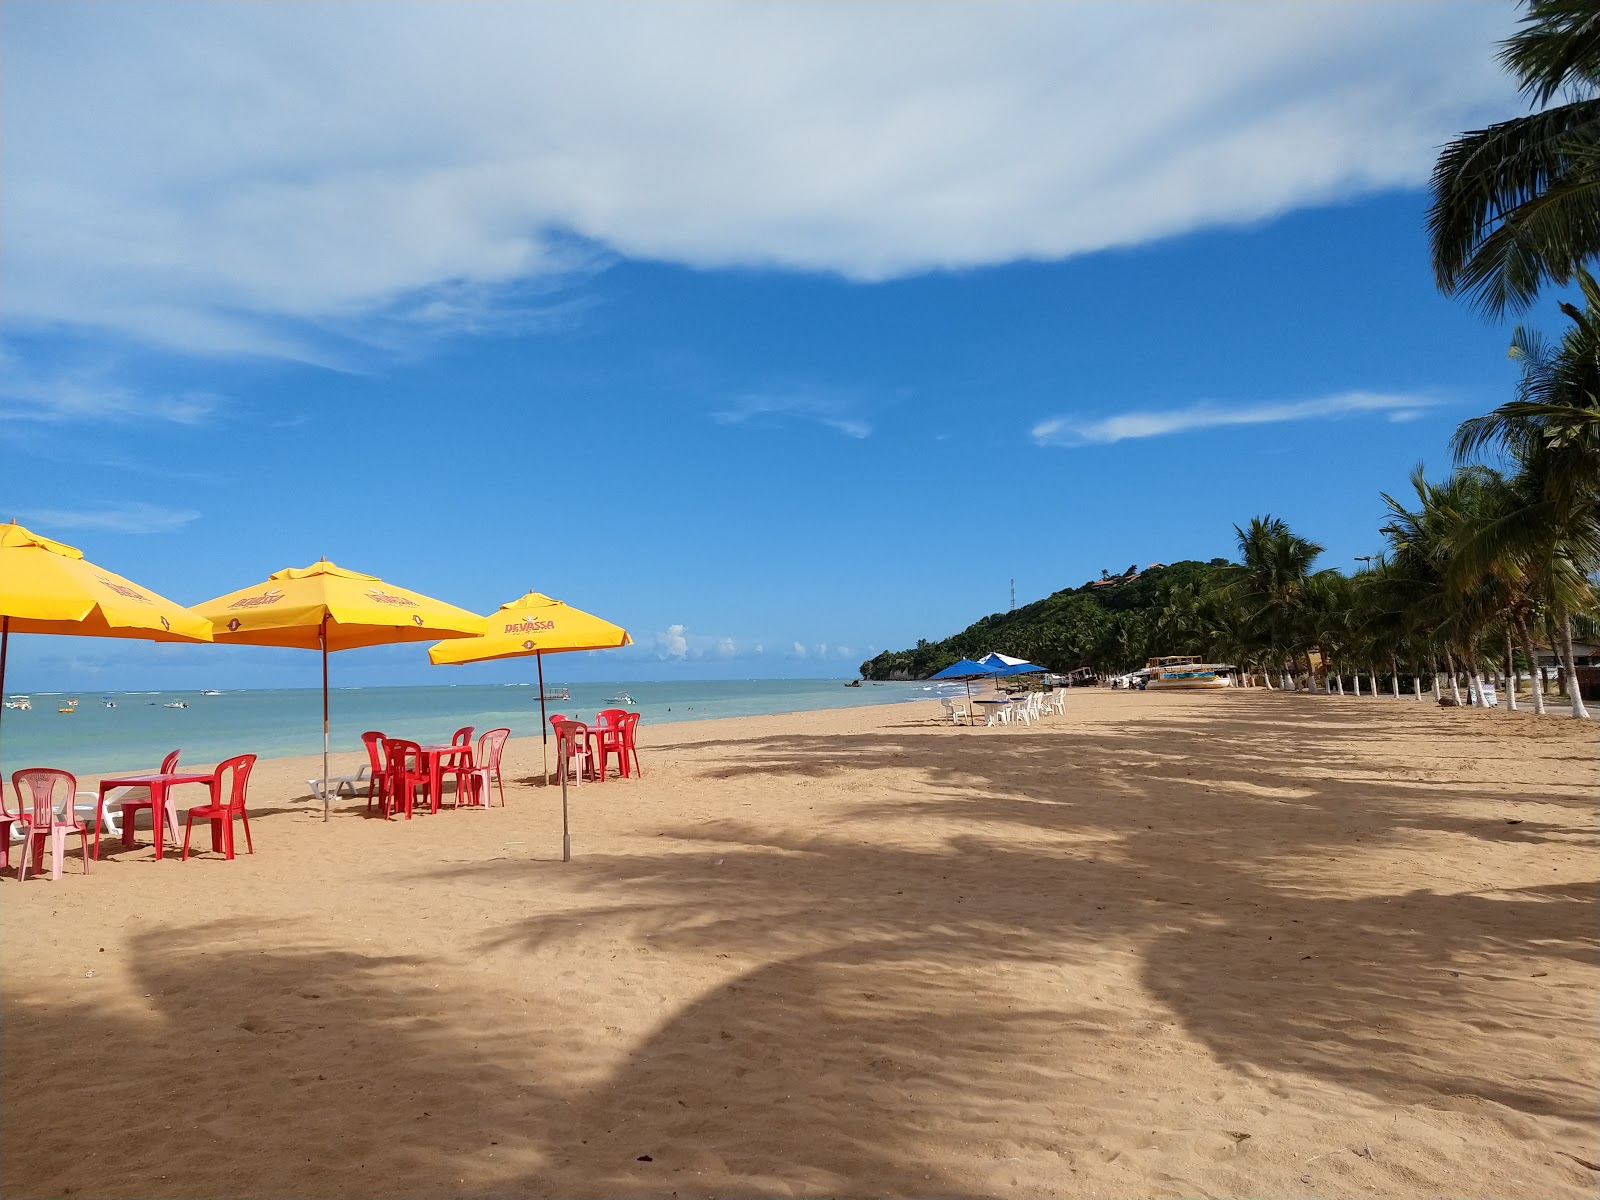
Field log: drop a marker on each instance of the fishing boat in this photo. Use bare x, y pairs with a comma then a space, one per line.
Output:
107, 702
22, 703
209, 692
1185, 672
622, 698
176, 704
70, 707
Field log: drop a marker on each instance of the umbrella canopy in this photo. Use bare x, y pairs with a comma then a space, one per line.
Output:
963, 668
325, 607
538, 625
1004, 664
47, 586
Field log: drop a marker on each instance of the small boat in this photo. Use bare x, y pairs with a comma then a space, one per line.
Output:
559, 693
107, 702
854, 683
209, 692
21, 703
622, 698
1185, 672
176, 704
70, 707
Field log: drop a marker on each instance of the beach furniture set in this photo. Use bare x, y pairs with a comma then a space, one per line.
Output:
1006, 710
400, 768
586, 749
47, 808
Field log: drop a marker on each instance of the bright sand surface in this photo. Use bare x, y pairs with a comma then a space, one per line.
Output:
1239, 944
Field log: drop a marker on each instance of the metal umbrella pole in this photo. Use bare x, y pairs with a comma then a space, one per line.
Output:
322, 640
5, 645
544, 722
566, 837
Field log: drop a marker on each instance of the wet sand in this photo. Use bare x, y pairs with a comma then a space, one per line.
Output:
1243, 944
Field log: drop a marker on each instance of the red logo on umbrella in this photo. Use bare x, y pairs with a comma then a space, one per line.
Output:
528, 645
165, 624
233, 625
417, 617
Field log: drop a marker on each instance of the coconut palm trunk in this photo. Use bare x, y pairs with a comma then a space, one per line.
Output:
1511, 678
1394, 677
1537, 689
1570, 661
1338, 682
1450, 670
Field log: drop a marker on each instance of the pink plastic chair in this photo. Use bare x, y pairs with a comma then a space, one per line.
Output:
572, 742
233, 776
40, 819
483, 769
630, 740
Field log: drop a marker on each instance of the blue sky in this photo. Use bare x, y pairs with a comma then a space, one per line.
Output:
779, 334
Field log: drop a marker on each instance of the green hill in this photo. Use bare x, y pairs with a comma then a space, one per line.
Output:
1109, 624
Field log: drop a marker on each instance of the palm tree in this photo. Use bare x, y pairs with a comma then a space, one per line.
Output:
1517, 205
1272, 583
1541, 534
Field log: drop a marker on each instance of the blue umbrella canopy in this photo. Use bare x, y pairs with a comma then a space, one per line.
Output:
1004, 664
963, 668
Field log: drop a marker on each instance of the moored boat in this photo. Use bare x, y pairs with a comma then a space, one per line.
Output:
1185, 672
21, 703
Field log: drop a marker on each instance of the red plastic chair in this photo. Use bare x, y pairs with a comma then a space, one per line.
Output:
572, 742
630, 730
376, 778
407, 770
610, 736
40, 820
483, 770
8, 818
237, 773
131, 807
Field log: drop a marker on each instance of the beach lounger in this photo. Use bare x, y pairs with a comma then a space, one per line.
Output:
339, 785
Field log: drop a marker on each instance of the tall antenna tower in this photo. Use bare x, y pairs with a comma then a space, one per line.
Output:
1013, 595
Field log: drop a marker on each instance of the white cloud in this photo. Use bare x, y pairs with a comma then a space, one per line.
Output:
834, 411
798, 651
671, 643
257, 178
726, 647
88, 393
844, 651
125, 518
1067, 431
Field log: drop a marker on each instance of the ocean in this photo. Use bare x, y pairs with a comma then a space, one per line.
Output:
278, 723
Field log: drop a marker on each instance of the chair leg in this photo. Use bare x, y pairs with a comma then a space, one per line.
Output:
188, 828
83, 839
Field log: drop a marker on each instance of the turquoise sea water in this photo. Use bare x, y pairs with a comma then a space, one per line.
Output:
136, 733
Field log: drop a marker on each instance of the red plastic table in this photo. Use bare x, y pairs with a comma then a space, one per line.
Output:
436, 756
159, 786
619, 730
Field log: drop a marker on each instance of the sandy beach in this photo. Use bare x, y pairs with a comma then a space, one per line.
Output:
1241, 944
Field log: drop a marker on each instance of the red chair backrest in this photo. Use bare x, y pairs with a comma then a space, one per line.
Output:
463, 736
489, 747
38, 807
169, 764
613, 717
629, 724
567, 731
373, 741
404, 756
231, 778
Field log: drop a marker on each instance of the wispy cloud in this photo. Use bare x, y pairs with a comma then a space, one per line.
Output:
90, 393
125, 518
1070, 431
671, 642
872, 141
837, 412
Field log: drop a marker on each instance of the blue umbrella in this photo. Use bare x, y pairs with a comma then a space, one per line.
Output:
964, 668
1000, 664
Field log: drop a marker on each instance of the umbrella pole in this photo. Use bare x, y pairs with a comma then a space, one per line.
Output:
544, 724
322, 639
566, 838
970, 721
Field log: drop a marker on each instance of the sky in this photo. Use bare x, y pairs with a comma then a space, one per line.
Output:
779, 334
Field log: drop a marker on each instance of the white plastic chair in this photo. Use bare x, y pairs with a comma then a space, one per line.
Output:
1021, 710
336, 785
955, 710
85, 803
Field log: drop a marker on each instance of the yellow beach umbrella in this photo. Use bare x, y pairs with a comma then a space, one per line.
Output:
538, 625
325, 607
47, 586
